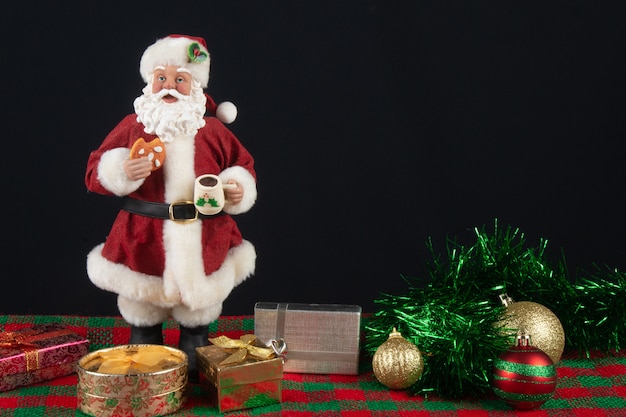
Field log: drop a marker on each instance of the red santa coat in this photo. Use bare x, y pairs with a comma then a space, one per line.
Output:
161, 261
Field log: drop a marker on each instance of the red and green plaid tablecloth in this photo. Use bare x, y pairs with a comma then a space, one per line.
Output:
586, 387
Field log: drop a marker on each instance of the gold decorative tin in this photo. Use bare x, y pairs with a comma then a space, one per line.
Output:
133, 380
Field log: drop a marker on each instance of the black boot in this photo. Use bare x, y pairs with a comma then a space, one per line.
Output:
152, 335
190, 339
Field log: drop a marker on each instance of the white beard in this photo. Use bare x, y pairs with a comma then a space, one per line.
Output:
169, 120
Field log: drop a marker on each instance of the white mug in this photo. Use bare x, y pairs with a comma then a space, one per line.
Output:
208, 194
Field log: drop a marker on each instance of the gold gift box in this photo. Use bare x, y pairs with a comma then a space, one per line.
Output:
321, 338
143, 390
250, 383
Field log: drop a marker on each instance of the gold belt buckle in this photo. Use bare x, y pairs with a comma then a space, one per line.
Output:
181, 203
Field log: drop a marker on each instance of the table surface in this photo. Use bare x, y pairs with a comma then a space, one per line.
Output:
586, 387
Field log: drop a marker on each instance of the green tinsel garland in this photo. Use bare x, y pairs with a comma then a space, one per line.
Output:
596, 319
452, 317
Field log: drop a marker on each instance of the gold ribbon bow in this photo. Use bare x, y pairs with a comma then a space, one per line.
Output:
243, 346
25, 341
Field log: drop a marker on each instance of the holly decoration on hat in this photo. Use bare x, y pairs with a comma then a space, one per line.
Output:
196, 54
524, 376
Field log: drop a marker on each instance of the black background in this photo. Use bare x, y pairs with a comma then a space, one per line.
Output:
374, 125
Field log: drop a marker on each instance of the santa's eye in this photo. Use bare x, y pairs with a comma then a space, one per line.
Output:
161, 78
180, 79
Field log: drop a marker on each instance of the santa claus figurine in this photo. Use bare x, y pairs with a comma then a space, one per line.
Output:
162, 257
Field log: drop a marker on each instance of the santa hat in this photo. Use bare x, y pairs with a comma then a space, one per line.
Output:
181, 50
191, 53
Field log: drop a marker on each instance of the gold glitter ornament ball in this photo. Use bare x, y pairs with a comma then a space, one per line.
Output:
397, 363
540, 323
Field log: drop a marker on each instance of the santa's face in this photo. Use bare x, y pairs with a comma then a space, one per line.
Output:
171, 78
170, 112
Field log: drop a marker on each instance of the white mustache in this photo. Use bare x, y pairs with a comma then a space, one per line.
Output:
173, 93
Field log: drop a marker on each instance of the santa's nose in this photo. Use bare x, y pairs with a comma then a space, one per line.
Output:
169, 84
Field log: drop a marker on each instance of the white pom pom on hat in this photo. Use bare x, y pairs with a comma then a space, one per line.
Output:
226, 111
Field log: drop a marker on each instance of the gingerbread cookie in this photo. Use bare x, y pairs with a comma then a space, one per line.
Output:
154, 150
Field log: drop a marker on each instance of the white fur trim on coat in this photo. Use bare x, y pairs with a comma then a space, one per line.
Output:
139, 313
194, 318
247, 181
196, 293
143, 314
112, 176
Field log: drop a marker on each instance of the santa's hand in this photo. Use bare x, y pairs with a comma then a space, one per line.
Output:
137, 169
233, 193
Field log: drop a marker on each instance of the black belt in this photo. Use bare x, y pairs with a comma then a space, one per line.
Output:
180, 211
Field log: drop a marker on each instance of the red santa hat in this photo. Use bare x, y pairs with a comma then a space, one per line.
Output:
180, 50
191, 53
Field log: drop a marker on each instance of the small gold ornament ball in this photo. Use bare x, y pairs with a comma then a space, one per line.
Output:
397, 363
540, 323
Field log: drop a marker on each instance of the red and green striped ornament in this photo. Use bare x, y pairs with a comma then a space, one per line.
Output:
524, 376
